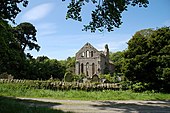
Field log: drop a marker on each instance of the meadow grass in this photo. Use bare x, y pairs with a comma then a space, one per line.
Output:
19, 90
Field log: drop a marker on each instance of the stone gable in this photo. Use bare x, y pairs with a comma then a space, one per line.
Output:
90, 61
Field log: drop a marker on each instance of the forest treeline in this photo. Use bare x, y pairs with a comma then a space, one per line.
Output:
146, 61
145, 64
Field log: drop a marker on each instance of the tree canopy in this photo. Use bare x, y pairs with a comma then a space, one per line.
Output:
10, 8
117, 58
106, 15
26, 36
148, 58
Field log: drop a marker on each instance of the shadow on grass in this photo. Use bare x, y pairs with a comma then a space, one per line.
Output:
14, 105
140, 107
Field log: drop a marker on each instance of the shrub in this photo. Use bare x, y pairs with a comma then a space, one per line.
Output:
5, 75
126, 85
139, 87
68, 77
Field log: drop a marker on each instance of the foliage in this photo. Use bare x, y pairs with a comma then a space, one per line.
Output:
22, 85
139, 87
5, 75
68, 77
10, 8
43, 68
147, 58
10, 90
115, 78
70, 64
106, 15
14, 40
79, 78
11, 59
118, 60
26, 36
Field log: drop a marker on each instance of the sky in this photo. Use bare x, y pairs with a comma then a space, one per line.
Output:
60, 38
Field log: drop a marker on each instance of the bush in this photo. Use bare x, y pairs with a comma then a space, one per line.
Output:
126, 85
68, 77
5, 75
139, 87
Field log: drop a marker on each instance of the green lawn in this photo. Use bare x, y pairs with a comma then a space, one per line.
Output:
19, 90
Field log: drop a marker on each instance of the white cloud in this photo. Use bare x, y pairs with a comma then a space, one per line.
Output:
46, 29
37, 12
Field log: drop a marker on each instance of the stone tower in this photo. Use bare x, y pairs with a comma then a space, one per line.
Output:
106, 53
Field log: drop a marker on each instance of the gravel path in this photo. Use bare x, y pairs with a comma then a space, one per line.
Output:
78, 106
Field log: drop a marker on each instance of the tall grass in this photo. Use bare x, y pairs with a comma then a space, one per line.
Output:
20, 90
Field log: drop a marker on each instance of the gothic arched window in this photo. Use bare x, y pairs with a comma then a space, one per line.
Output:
82, 68
93, 69
87, 54
87, 68
91, 53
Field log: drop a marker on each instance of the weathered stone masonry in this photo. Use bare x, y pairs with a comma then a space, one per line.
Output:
90, 61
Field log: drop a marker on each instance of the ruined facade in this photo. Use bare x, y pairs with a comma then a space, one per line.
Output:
90, 61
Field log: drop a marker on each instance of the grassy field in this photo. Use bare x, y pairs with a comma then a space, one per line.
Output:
10, 104
19, 90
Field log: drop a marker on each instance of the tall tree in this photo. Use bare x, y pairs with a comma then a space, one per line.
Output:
147, 58
106, 15
70, 64
26, 35
118, 59
44, 68
11, 58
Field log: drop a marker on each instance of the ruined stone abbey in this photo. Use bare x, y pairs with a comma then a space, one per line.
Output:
90, 61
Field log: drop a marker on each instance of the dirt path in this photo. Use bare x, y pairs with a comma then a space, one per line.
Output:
78, 106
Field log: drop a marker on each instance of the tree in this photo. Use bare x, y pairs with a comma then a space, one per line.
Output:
147, 58
13, 41
26, 36
10, 8
106, 15
44, 68
70, 64
11, 59
117, 59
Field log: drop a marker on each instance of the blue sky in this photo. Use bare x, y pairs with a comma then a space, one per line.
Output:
60, 38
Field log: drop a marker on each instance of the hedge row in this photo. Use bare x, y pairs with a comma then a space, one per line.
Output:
57, 85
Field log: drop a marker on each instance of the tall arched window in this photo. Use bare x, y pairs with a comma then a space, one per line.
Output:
87, 54
82, 68
91, 53
82, 54
87, 65
87, 69
93, 69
